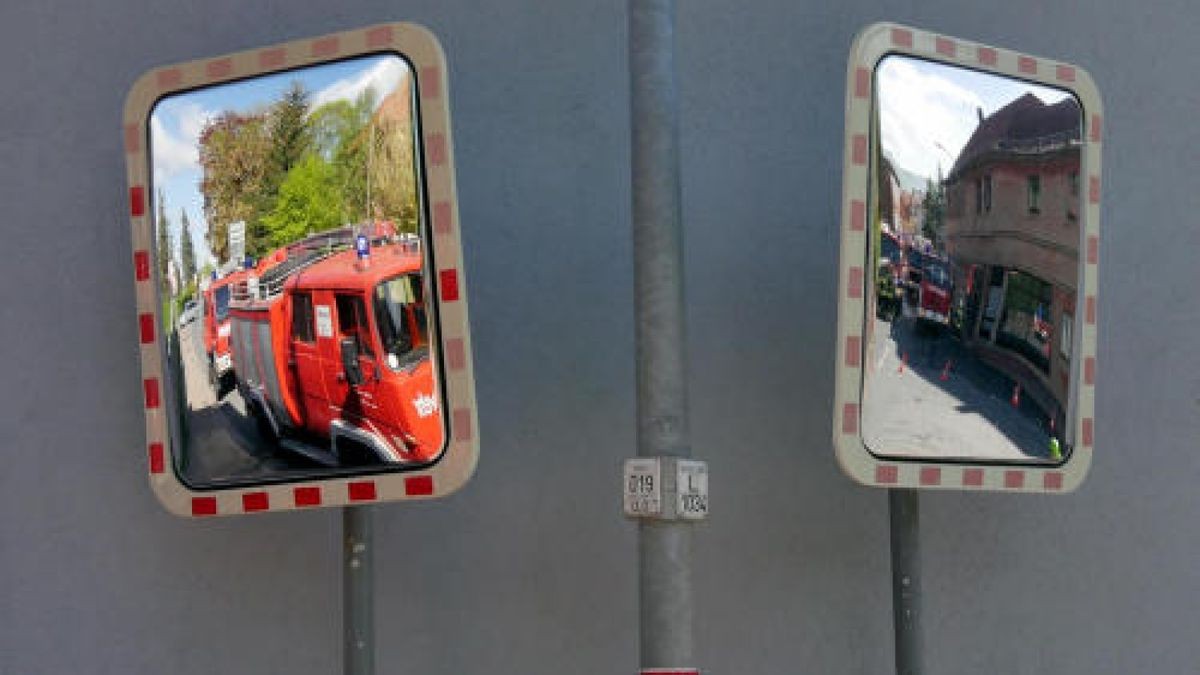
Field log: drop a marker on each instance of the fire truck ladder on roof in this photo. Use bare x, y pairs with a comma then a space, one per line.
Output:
301, 254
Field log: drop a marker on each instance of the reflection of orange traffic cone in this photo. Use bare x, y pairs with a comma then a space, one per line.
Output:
903, 362
1016, 397
946, 370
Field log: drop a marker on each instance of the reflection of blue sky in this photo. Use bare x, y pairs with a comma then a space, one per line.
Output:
928, 110
176, 123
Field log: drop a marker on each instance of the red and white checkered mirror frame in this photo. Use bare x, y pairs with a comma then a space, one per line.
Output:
869, 47
456, 464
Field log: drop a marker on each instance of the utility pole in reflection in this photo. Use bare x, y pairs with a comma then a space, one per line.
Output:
664, 540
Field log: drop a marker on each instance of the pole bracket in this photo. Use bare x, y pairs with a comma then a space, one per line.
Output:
665, 488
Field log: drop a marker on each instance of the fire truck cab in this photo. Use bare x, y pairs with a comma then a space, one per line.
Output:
216, 332
935, 291
331, 354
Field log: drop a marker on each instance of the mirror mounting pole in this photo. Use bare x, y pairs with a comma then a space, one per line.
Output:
664, 546
358, 592
903, 509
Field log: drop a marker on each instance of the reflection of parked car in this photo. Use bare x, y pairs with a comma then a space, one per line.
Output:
336, 347
189, 313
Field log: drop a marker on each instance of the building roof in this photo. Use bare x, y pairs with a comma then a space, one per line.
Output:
1024, 126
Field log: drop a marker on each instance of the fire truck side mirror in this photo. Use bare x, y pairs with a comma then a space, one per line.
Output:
969, 235
349, 350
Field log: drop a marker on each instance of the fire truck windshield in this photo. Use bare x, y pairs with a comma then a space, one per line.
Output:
221, 303
400, 316
936, 275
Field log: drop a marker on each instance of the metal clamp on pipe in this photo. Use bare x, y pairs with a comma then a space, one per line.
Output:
666, 488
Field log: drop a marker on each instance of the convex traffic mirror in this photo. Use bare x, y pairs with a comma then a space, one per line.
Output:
300, 293
969, 252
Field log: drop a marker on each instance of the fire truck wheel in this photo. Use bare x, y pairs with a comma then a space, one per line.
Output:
351, 453
263, 426
225, 384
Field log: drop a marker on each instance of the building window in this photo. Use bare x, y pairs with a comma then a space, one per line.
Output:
1024, 326
1064, 345
1034, 191
1073, 200
987, 192
979, 195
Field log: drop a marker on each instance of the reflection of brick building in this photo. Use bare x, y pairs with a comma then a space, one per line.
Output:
908, 212
1012, 235
391, 176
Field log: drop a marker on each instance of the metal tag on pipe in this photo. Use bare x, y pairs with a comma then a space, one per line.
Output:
665, 488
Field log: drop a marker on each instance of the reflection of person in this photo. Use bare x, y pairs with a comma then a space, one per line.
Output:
1055, 449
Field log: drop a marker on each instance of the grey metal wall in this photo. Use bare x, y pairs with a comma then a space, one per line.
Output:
530, 569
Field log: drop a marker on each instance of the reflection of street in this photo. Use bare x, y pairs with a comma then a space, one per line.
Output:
927, 396
222, 443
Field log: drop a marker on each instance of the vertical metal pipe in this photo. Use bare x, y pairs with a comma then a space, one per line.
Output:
664, 547
906, 580
358, 600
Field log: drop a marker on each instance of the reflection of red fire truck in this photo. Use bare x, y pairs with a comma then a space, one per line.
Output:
216, 332
334, 347
934, 291
892, 251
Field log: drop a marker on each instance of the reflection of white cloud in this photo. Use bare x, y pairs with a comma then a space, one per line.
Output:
383, 77
925, 120
175, 153
928, 111
1048, 95
192, 119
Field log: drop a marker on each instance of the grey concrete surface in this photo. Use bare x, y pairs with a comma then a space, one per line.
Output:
530, 569
926, 396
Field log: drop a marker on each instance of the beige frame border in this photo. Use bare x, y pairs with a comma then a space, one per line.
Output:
457, 462
870, 46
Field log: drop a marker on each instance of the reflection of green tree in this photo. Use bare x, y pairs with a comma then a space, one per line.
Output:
883, 206
880, 207
1026, 293
187, 252
339, 132
309, 201
164, 242
392, 174
233, 154
373, 156
934, 207
289, 171
290, 133
290, 141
